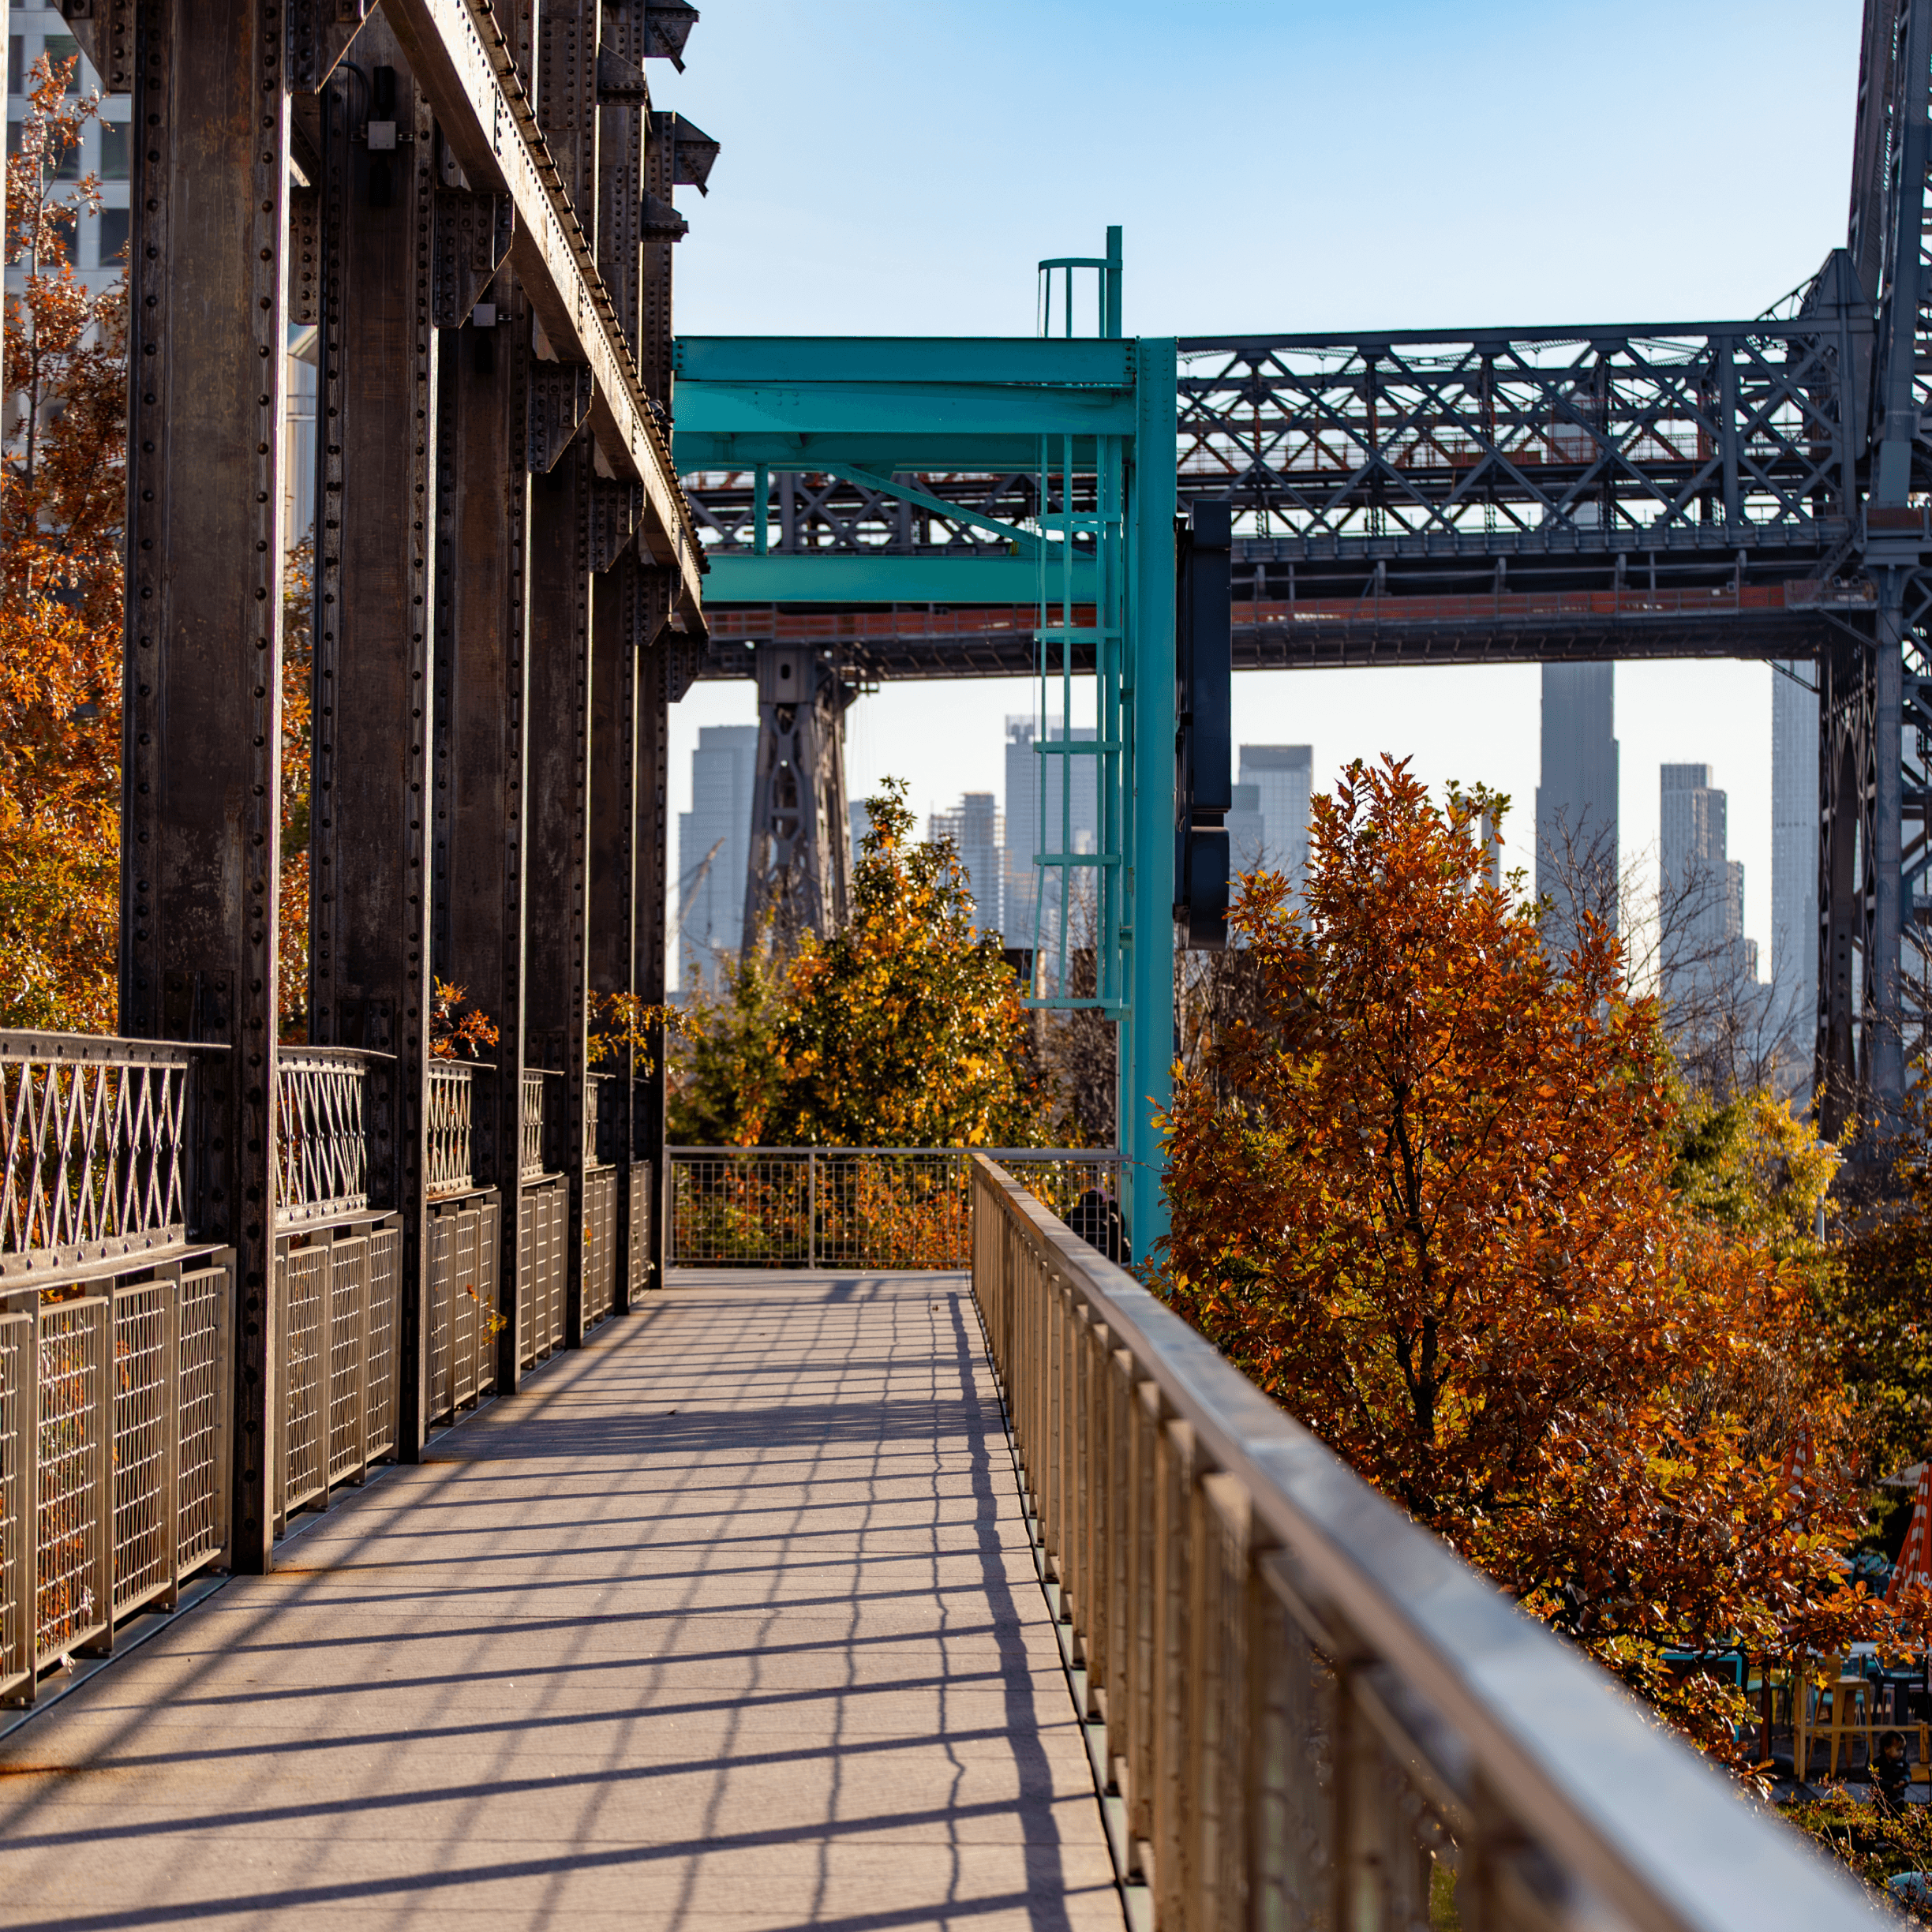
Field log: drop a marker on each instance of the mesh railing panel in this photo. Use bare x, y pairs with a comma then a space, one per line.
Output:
378, 1401
144, 1427
638, 1258
201, 1511
347, 1352
884, 1207
440, 1235
529, 1285
17, 1650
599, 1245
91, 1148
305, 1273
489, 1252
740, 1209
72, 1595
463, 1310
557, 1262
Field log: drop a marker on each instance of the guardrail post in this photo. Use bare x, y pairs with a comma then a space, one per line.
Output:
200, 819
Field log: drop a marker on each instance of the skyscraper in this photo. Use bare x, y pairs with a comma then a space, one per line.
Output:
977, 833
1702, 941
1247, 831
1070, 791
714, 840
1282, 776
1576, 800
1794, 848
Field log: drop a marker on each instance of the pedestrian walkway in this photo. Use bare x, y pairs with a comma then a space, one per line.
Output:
728, 1620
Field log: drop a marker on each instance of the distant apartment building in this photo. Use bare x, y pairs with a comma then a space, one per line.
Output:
714, 841
977, 831
1702, 941
860, 822
1794, 848
1048, 794
1272, 781
1576, 799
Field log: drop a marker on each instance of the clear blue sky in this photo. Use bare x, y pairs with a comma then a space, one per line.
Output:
900, 168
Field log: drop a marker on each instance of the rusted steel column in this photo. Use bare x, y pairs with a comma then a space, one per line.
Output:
482, 689
374, 657
556, 983
567, 98
201, 786
621, 628
663, 677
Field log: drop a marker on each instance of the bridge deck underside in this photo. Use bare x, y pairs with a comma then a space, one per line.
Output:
729, 1621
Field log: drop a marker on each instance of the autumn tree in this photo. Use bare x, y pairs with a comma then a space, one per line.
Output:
903, 1028
61, 519
1422, 1192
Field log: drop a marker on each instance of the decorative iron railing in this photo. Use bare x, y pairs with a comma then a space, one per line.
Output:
531, 1162
1302, 1710
897, 1207
92, 1140
113, 1442
600, 1246
322, 1149
448, 1169
543, 1252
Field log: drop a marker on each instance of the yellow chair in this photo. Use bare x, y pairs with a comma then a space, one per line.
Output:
1840, 1710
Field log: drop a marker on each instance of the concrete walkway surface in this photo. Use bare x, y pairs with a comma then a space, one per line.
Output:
727, 1621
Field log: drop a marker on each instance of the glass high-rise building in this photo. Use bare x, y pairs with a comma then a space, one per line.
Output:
714, 842
1576, 799
978, 833
1795, 849
1279, 778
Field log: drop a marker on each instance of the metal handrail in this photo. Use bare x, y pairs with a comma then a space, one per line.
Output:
1310, 1696
93, 1145
322, 1147
447, 1170
530, 1123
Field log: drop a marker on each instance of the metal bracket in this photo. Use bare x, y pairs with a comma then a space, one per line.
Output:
560, 400
473, 233
614, 506
319, 32
619, 84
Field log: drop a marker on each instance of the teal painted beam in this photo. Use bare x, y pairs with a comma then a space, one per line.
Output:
742, 577
916, 447
1147, 1047
900, 359
781, 410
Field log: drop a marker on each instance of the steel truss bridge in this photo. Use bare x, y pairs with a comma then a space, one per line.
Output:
1752, 488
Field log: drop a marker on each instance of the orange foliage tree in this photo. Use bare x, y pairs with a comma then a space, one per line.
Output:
1422, 1193
62, 508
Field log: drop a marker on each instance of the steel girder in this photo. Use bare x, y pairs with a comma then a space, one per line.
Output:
263, 195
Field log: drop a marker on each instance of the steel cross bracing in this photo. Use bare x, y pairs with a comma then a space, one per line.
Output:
1746, 488
470, 202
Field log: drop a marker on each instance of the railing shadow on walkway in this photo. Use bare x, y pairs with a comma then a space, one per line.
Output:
730, 1619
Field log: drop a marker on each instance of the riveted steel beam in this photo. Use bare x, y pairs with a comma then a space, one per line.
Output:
467, 64
482, 692
374, 663
202, 667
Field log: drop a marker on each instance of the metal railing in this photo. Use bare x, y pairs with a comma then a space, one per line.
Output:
543, 1260
599, 1245
113, 1477
530, 1160
463, 1307
895, 1208
339, 1319
448, 1116
1303, 1710
92, 1142
322, 1144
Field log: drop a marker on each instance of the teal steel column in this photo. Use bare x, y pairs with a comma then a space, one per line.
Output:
1146, 1034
